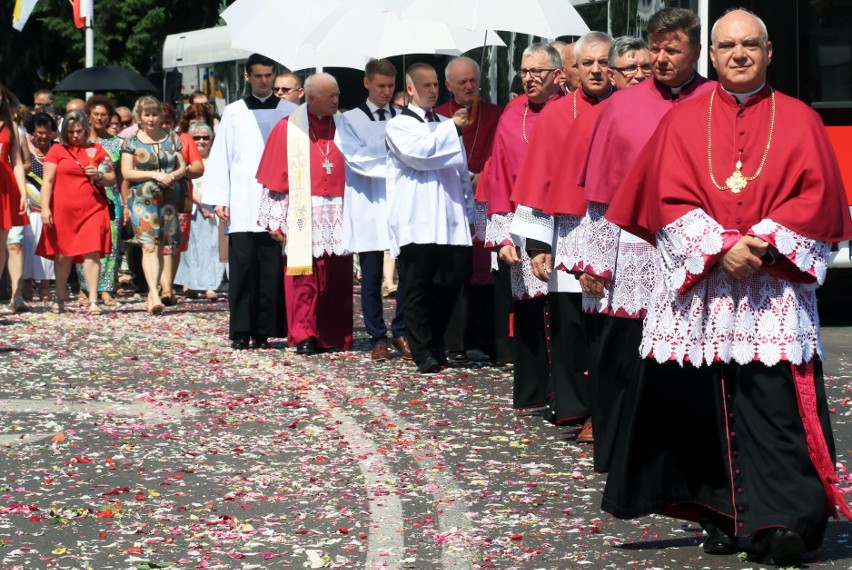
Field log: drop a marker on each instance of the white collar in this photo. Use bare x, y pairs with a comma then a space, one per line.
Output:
743, 97
373, 107
420, 112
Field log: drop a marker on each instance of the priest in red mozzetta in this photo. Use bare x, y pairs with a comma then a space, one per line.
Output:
541, 68
740, 191
302, 207
617, 270
472, 324
536, 187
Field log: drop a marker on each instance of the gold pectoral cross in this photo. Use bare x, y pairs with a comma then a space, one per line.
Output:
736, 182
328, 166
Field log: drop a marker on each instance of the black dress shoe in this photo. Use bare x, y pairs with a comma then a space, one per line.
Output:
261, 342
240, 343
428, 366
306, 347
717, 541
780, 546
441, 357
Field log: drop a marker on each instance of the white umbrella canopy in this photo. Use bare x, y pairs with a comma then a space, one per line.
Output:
544, 18
334, 33
277, 28
370, 28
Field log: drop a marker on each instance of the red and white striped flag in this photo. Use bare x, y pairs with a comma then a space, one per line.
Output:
82, 9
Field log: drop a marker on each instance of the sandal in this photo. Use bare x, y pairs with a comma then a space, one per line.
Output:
169, 299
94, 309
108, 300
57, 307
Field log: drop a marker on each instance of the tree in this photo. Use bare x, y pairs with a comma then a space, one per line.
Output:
128, 33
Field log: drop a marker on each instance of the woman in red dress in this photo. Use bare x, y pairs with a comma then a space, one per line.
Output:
13, 194
74, 207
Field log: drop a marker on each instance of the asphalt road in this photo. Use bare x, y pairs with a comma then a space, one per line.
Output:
136, 442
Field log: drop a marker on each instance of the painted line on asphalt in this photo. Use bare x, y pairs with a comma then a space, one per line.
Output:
144, 411
386, 538
453, 522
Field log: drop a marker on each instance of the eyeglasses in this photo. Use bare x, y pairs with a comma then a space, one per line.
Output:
631, 70
535, 72
284, 89
201, 138
126, 123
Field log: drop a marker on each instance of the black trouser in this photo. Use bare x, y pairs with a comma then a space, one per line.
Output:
256, 286
504, 306
433, 275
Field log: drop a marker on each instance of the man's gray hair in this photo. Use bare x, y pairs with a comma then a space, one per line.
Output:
554, 58
591, 39
460, 59
313, 81
622, 45
70, 118
764, 32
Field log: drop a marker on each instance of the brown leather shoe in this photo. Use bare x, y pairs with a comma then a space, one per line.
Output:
380, 351
401, 344
586, 435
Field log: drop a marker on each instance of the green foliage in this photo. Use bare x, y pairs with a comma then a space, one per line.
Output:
128, 33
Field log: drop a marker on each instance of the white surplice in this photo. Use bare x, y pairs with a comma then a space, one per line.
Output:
234, 158
362, 143
430, 198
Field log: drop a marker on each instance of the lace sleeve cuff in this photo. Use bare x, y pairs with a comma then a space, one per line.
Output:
273, 211
690, 246
497, 231
805, 260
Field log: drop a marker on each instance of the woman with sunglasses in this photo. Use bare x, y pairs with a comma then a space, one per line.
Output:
201, 269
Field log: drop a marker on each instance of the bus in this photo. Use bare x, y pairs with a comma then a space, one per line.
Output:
811, 59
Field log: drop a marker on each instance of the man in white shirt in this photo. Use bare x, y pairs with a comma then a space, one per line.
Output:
256, 268
365, 220
430, 213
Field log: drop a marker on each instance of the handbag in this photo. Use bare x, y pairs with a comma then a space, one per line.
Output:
99, 189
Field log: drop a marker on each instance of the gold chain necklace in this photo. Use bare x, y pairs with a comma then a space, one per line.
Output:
575, 101
524, 122
736, 182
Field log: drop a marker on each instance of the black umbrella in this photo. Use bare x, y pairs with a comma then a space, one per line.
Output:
105, 78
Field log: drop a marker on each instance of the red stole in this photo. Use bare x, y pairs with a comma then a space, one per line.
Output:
539, 183
479, 135
799, 187
273, 172
627, 123
518, 120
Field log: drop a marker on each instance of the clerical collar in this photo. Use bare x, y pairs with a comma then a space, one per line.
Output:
373, 107
602, 97
254, 102
675, 91
743, 97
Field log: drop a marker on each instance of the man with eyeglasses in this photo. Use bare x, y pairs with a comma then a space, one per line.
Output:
255, 294
288, 86
619, 270
541, 69
538, 195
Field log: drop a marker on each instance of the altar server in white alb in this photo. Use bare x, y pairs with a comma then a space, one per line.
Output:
256, 266
365, 220
431, 210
